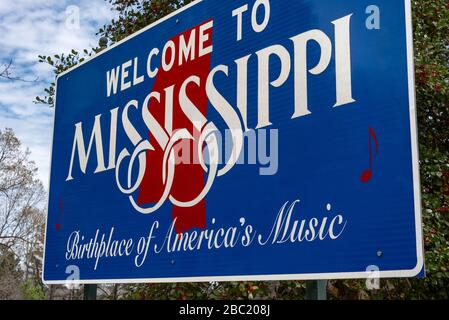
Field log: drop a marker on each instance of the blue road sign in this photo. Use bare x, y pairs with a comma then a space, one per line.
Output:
240, 140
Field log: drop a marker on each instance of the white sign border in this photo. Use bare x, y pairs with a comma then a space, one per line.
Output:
308, 276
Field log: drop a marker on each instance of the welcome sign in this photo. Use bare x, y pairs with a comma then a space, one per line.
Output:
239, 140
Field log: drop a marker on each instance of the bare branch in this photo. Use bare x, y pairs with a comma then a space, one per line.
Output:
6, 73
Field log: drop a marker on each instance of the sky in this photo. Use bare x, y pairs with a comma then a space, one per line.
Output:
29, 28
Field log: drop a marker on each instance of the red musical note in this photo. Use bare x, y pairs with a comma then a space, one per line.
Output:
368, 174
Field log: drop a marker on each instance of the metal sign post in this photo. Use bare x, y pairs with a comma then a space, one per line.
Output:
90, 292
316, 290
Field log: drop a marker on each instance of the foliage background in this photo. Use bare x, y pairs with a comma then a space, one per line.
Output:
431, 41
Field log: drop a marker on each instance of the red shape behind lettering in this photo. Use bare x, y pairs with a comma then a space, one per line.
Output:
189, 178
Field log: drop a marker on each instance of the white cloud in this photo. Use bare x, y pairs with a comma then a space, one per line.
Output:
29, 28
